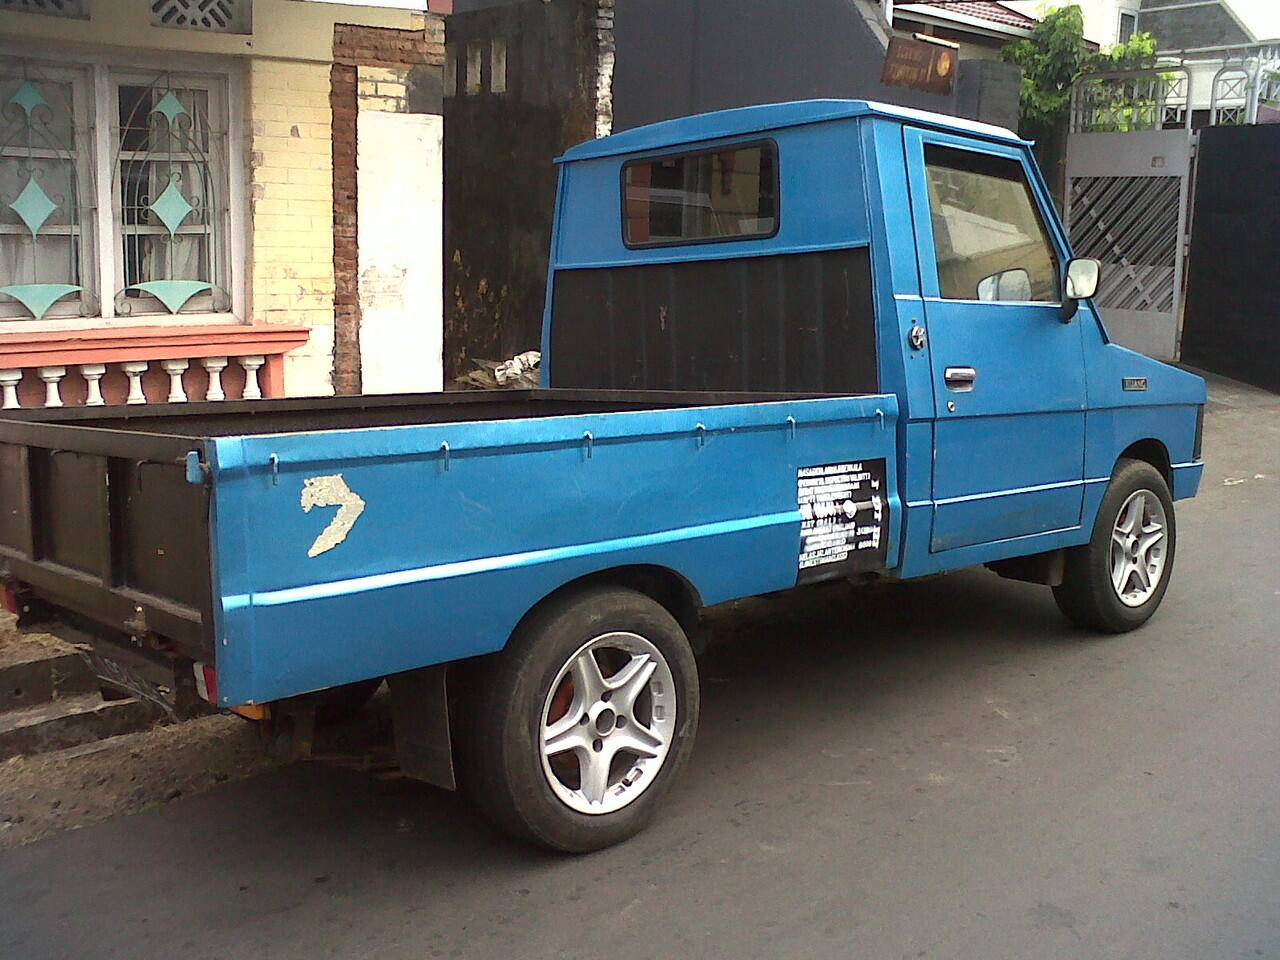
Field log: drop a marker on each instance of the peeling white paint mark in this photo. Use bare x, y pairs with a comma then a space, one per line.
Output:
331, 491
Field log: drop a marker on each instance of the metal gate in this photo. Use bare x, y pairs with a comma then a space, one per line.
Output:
1128, 197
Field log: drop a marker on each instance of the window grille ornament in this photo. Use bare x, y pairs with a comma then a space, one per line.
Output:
31, 143
33, 205
70, 9
217, 16
168, 232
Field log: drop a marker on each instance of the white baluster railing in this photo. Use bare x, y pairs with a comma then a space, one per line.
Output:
103, 387
252, 390
9, 380
175, 369
214, 367
52, 377
134, 369
93, 374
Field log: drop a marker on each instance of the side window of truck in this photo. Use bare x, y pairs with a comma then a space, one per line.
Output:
729, 194
989, 240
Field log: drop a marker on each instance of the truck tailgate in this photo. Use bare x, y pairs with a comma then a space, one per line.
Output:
104, 524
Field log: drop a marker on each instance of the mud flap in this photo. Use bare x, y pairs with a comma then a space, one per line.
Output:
420, 713
1043, 568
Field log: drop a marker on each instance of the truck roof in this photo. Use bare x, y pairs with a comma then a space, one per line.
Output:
769, 116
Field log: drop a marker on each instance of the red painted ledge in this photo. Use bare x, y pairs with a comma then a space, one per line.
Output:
67, 348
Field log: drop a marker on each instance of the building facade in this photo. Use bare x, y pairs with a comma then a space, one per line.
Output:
1106, 22
193, 200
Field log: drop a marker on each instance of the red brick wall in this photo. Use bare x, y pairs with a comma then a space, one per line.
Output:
382, 46
355, 46
346, 299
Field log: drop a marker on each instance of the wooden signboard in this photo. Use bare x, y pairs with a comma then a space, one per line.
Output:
918, 65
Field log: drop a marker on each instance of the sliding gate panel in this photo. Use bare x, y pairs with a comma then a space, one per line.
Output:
1127, 203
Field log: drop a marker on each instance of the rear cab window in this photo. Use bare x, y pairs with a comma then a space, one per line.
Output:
711, 195
989, 240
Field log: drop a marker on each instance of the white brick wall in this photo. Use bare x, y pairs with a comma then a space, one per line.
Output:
291, 212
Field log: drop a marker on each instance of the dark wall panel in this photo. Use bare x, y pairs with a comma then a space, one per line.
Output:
500, 179
1232, 323
801, 323
677, 57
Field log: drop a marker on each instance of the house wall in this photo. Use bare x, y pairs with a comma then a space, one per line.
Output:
1101, 17
282, 29
387, 192
1185, 26
290, 171
288, 130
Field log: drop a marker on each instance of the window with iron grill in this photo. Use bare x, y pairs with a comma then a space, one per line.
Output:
138, 229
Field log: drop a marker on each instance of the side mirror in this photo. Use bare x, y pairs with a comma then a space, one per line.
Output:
1079, 283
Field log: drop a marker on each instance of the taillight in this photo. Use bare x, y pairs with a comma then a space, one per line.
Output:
9, 599
206, 682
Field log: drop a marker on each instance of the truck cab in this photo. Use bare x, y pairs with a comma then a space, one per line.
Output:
782, 344
852, 247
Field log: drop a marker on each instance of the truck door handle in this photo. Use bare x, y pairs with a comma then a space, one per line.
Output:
960, 378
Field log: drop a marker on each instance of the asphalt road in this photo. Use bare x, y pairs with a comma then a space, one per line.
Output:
941, 769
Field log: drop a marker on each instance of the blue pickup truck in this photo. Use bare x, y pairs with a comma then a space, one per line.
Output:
783, 344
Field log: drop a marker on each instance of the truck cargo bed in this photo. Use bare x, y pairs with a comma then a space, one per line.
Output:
191, 529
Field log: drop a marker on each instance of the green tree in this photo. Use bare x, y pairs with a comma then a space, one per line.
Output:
1052, 59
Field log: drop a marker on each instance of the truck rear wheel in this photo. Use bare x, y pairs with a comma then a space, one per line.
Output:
1116, 581
583, 722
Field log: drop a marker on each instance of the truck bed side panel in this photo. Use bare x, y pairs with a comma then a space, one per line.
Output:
362, 553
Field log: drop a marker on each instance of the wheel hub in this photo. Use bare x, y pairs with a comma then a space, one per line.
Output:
605, 720
1138, 548
608, 722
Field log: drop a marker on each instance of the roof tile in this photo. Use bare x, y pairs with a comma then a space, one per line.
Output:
983, 10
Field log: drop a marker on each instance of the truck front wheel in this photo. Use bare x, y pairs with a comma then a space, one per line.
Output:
582, 723
1116, 581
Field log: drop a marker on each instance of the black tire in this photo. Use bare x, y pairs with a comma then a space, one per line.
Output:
1087, 596
502, 756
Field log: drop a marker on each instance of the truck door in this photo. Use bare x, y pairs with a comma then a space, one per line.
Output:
1008, 373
